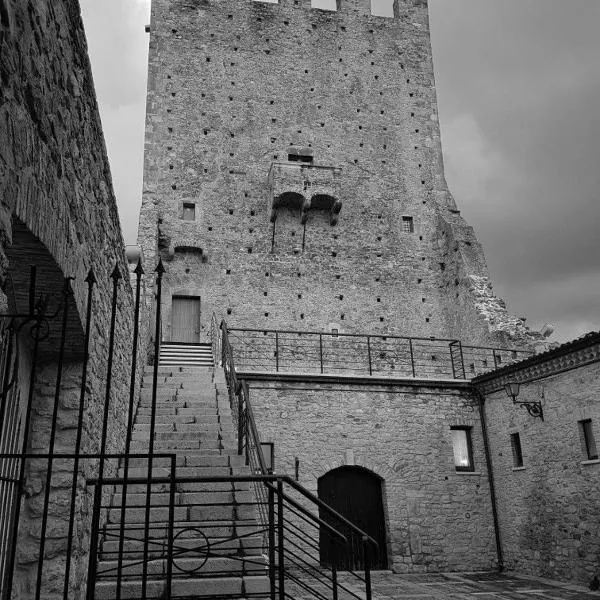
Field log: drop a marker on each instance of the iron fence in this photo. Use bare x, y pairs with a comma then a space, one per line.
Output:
143, 524
281, 351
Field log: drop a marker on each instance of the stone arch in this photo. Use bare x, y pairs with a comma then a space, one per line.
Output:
293, 201
27, 250
326, 202
338, 488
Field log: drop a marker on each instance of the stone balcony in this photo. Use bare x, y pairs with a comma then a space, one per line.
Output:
304, 186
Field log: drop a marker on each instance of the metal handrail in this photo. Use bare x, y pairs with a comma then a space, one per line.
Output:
250, 445
391, 355
380, 336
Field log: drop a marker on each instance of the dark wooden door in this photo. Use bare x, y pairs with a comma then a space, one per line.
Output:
355, 493
185, 319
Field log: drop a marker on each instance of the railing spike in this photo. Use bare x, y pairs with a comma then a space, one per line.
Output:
91, 277
116, 274
160, 269
139, 270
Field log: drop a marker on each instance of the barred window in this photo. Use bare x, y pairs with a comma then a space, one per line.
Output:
408, 225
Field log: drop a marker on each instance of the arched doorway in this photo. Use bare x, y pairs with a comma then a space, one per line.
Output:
356, 494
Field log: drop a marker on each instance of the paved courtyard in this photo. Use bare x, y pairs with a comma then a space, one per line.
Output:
484, 586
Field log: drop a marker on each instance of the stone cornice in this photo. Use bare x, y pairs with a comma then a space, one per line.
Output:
571, 355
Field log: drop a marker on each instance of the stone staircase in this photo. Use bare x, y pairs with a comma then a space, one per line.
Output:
218, 543
185, 355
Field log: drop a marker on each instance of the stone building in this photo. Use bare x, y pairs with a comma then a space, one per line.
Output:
294, 183
294, 186
546, 471
58, 213
294, 175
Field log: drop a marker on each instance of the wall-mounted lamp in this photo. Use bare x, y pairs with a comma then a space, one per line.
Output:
512, 390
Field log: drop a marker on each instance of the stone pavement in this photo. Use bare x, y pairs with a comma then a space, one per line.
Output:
473, 586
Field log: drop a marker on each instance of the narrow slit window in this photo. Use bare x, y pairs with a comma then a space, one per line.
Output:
408, 225
517, 453
589, 441
189, 212
462, 446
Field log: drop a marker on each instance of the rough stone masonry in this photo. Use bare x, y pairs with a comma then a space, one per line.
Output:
294, 175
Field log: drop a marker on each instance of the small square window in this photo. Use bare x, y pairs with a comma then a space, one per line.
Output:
589, 441
463, 448
408, 225
515, 443
189, 212
334, 332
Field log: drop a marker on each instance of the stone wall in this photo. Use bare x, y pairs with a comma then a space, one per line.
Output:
233, 86
438, 519
59, 211
548, 508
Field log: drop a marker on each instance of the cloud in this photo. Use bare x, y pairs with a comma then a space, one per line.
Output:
118, 47
471, 163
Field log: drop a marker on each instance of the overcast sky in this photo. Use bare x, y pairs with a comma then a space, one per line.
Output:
519, 99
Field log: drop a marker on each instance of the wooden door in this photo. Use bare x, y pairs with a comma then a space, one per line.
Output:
185, 319
356, 494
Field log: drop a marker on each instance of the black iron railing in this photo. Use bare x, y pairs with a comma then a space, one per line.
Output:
263, 350
251, 558
294, 539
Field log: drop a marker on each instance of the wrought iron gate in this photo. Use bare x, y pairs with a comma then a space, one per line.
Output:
82, 498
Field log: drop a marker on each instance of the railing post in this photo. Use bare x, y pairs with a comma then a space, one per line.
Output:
240, 403
451, 348
170, 530
93, 556
462, 359
412, 357
276, 351
334, 581
321, 351
369, 353
280, 549
272, 541
367, 569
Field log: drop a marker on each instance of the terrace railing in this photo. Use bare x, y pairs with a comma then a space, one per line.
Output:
311, 352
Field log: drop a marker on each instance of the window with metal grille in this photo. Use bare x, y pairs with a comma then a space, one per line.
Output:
515, 443
463, 448
189, 212
408, 225
589, 441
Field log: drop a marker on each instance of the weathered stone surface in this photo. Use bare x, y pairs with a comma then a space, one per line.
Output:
548, 509
437, 519
58, 211
238, 87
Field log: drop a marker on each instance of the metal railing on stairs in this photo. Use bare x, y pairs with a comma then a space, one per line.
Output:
295, 523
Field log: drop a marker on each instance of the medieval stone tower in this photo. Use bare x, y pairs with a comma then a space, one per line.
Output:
294, 175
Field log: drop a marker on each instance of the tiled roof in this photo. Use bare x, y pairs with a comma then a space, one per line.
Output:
580, 343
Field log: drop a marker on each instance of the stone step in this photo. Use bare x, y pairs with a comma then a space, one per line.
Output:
187, 547
135, 515
246, 564
162, 498
186, 471
187, 529
192, 460
200, 433
191, 587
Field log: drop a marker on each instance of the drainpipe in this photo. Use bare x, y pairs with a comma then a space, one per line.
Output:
488, 460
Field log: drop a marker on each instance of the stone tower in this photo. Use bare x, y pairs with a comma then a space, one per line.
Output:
294, 175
